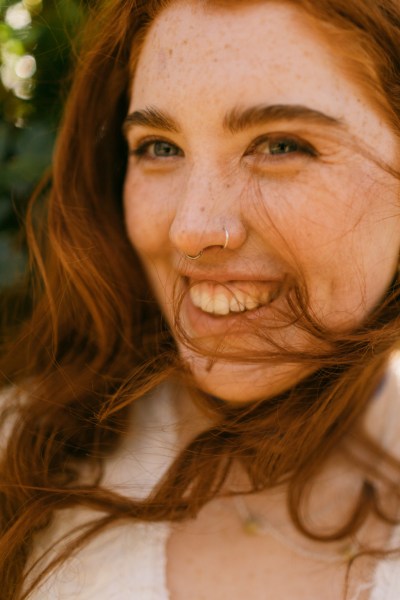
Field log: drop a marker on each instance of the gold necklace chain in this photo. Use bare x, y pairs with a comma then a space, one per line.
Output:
255, 524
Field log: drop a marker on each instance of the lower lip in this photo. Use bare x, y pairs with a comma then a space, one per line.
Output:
201, 323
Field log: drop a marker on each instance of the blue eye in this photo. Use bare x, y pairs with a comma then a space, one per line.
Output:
283, 147
154, 149
164, 149
279, 146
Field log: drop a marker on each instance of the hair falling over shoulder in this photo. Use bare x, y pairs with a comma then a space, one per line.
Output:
96, 342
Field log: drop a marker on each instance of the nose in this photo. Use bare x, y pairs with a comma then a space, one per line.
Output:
208, 216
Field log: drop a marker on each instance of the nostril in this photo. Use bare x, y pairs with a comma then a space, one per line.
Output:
210, 247
194, 237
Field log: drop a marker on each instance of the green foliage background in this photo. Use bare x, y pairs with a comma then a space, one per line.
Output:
28, 125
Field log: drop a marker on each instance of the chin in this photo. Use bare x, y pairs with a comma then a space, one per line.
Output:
237, 382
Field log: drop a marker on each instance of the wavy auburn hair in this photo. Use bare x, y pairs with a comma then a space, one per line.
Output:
96, 341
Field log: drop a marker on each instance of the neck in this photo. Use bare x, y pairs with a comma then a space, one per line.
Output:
335, 490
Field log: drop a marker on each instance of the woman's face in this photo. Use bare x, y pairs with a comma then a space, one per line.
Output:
243, 120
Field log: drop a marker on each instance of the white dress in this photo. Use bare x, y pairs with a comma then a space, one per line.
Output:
128, 560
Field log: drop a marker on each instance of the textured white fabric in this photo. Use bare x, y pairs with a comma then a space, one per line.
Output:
128, 561
386, 580
387, 577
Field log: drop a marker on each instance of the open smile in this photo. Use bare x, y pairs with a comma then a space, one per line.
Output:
222, 299
212, 308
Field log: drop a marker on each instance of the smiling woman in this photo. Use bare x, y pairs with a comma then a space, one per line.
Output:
205, 399
224, 146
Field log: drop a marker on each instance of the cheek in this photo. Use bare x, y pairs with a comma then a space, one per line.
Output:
313, 216
345, 238
330, 219
147, 215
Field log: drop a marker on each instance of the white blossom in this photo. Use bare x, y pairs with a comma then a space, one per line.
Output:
17, 16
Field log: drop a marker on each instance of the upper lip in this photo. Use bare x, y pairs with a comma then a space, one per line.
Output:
226, 276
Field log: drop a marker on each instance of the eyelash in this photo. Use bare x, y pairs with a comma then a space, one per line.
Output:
302, 148
142, 148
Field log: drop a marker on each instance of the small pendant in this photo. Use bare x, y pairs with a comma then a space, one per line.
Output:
350, 550
252, 525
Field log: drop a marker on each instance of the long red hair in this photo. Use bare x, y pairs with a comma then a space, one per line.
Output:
96, 341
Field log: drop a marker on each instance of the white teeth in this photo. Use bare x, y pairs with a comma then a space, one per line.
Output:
195, 294
240, 299
265, 297
220, 300
221, 304
235, 305
250, 303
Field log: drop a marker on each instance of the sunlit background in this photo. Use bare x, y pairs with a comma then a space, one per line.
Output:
38, 39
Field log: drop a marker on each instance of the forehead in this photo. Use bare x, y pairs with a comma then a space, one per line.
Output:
218, 44
205, 60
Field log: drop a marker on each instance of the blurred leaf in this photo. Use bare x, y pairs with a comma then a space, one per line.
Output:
28, 126
10, 270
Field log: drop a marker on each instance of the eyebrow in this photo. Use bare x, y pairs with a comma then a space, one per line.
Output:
240, 119
150, 117
236, 120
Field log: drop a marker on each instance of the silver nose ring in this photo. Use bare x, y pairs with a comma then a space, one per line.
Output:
225, 245
190, 257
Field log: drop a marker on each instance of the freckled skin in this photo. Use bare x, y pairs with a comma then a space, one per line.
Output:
334, 216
